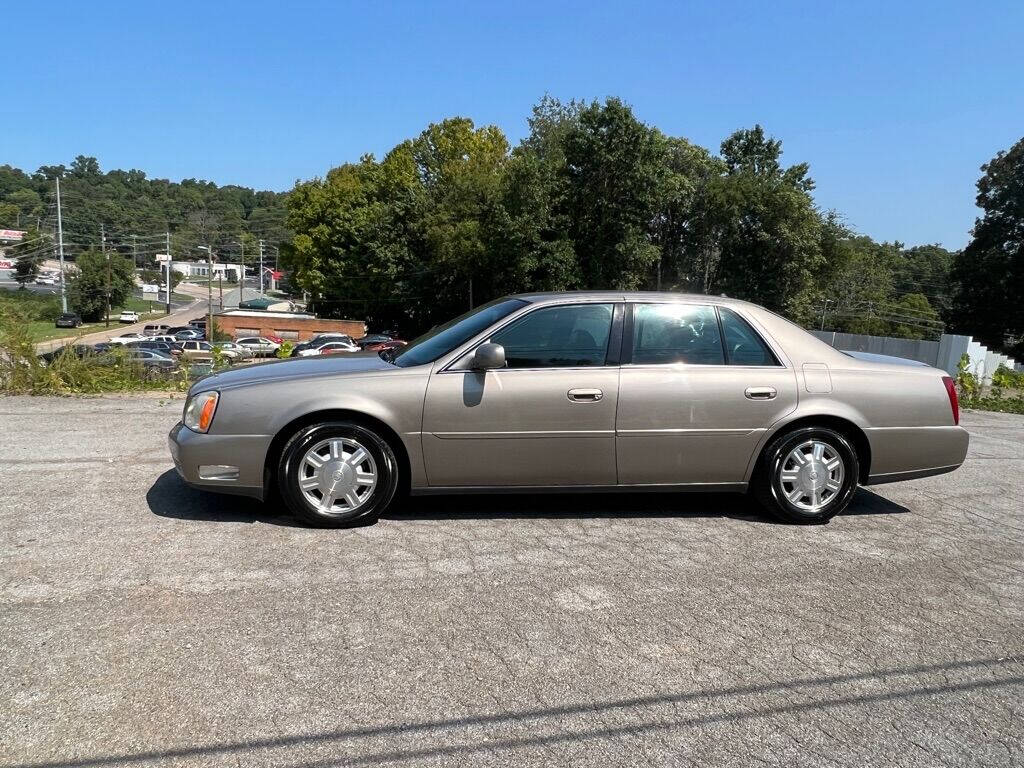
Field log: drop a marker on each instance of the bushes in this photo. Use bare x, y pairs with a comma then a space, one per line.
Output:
28, 305
972, 396
22, 371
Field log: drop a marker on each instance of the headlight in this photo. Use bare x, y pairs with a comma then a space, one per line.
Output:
199, 411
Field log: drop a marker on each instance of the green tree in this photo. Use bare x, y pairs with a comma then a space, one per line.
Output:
615, 168
88, 284
769, 231
989, 272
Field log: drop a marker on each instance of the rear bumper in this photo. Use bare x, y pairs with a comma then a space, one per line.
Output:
906, 453
219, 463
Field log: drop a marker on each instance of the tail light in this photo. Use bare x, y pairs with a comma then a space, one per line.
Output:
954, 401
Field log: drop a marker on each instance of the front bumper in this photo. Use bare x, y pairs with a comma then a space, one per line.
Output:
208, 461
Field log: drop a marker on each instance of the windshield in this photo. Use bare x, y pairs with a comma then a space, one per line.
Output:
444, 338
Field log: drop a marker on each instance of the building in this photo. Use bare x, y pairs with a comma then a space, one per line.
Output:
203, 269
290, 326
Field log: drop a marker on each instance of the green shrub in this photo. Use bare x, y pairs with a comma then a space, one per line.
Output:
285, 350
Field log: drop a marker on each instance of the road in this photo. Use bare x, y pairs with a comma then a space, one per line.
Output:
144, 623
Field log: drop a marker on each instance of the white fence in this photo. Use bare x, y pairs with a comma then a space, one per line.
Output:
944, 353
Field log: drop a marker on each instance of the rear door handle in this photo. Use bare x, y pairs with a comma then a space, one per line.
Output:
760, 393
585, 395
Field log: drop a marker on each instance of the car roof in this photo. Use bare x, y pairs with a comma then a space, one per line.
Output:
543, 297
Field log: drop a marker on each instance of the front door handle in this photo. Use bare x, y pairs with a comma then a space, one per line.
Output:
585, 395
760, 393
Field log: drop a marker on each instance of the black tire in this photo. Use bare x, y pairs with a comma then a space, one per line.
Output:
773, 494
377, 500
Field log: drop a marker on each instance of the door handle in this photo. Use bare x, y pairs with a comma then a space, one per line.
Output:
585, 395
760, 393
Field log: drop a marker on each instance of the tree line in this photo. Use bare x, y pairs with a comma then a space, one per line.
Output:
594, 198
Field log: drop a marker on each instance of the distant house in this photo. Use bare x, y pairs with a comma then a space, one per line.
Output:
203, 269
291, 326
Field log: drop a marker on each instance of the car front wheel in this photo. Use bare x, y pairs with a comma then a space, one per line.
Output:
338, 474
807, 476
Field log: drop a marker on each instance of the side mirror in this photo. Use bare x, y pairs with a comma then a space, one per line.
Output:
488, 356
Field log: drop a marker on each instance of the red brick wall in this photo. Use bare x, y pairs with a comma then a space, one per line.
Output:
289, 328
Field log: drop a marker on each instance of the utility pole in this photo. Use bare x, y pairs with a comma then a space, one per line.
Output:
209, 294
60, 250
169, 262
106, 256
261, 266
220, 287
135, 253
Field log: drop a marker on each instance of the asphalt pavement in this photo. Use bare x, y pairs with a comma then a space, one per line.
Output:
144, 623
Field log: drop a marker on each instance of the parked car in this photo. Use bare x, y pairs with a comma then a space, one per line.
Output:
189, 334
75, 350
124, 338
172, 340
331, 336
330, 348
383, 345
153, 361
313, 346
580, 391
373, 338
261, 346
155, 346
276, 339
196, 351
155, 329
68, 320
234, 352
47, 279
128, 316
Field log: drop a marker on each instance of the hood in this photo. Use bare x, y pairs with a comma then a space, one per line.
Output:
294, 367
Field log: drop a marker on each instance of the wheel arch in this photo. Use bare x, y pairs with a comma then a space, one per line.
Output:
382, 428
857, 437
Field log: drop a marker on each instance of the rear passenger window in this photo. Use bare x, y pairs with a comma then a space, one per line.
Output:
676, 333
743, 346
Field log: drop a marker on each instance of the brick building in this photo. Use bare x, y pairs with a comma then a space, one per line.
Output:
290, 326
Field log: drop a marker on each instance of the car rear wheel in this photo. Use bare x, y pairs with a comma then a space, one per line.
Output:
807, 476
337, 474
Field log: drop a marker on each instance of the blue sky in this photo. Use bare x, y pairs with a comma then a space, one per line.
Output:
894, 105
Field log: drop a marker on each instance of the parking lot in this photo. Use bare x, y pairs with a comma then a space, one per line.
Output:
145, 623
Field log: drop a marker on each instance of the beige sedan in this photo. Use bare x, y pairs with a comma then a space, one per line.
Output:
574, 391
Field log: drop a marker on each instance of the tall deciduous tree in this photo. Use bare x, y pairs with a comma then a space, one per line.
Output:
88, 284
990, 271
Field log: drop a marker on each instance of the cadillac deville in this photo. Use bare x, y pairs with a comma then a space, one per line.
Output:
574, 391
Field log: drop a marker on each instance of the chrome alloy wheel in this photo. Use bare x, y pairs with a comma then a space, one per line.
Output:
337, 476
811, 476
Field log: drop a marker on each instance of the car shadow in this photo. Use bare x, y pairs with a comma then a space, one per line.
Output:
170, 497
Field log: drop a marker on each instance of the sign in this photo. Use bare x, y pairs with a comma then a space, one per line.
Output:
150, 288
11, 234
6, 264
163, 257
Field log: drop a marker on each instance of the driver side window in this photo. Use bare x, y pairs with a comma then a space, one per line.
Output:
558, 337
676, 333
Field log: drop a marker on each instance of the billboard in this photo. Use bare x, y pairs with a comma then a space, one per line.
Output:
11, 234
148, 288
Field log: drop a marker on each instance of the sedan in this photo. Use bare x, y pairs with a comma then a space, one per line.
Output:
233, 351
574, 391
68, 320
128, 317
330, 348
260, 346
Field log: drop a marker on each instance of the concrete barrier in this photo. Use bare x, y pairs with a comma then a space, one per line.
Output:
944, 353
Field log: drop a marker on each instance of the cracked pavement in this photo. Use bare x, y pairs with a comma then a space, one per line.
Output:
144, 623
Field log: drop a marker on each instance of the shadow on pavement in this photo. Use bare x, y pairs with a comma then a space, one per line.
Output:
169, 496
